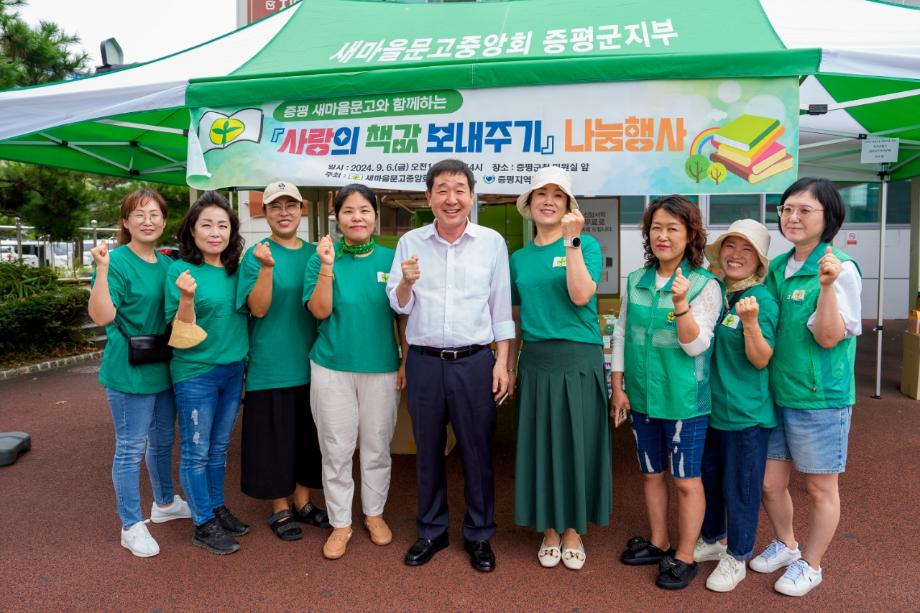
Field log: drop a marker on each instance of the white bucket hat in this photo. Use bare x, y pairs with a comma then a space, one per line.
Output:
545, 176
275, 190
753, 232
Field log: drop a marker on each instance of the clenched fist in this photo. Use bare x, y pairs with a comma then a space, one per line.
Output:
186, 284
572, 223
679, 287
828, 268
100, 254
748, 309
263, 253
410, 270
326, 251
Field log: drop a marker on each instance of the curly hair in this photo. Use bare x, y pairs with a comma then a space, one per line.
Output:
135, 199
680, 207
188, 250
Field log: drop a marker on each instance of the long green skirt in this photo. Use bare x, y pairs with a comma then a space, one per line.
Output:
562, 477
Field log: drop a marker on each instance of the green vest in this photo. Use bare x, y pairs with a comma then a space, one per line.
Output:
661, 380
803, 374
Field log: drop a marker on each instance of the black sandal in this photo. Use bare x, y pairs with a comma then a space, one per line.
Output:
313, 515
283, 525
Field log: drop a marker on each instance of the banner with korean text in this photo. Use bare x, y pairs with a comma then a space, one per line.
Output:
625, 138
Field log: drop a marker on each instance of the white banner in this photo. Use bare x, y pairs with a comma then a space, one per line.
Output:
633, 138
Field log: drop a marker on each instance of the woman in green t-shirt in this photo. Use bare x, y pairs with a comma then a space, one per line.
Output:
562, 474
742, 406
354, 391
127, 298
208, 375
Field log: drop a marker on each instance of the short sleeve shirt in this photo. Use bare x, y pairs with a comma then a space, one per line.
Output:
538, 285
137, 291
358, 336
279, 342
215, 312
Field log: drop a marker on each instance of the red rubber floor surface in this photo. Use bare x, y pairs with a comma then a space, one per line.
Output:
59, 533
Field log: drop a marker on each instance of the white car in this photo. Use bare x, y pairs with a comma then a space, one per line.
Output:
9, 254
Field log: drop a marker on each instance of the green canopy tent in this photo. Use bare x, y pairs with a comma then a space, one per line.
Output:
858, 63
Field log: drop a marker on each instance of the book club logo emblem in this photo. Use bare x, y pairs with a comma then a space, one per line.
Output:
218, 130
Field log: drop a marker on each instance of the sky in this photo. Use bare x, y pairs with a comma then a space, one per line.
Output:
146, 30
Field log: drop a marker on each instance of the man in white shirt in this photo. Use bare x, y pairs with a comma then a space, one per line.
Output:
451, 278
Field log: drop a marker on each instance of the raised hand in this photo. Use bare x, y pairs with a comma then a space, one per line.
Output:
326, 250
186, 284
572, 223
828, 267
748, 309
410, 270
263, 253
100, 254
680, 286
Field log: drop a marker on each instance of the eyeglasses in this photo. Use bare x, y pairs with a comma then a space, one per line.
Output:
153, 217
277, 207
801, 212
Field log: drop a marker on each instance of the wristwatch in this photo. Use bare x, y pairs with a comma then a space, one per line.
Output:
572, 242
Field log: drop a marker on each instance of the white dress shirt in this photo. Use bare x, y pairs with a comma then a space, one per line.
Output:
463, 294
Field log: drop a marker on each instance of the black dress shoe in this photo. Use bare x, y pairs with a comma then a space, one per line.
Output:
675, 574
639, 551
424, 549
481, 556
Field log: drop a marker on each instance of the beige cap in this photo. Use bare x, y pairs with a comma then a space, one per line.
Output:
275, 190
750, 230
545, 176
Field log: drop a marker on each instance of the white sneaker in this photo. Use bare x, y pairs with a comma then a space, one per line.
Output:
707, 552
177, 509
774, 557
138, 541
798, 580
727, 575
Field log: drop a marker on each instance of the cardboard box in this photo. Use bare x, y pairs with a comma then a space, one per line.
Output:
910, 366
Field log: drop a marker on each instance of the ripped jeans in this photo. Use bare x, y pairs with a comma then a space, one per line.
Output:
207, 406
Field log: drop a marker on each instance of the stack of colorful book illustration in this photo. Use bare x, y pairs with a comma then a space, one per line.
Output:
748, 147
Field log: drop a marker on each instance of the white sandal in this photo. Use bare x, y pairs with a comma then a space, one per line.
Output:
549, 555
574, 559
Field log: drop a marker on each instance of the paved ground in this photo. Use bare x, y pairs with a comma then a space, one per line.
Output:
60, 549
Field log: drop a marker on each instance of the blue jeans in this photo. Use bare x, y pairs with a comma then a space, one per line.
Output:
207, 406
815, 440
143, 422
732, 471
677, 443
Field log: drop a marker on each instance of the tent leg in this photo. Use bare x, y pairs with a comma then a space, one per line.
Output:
880, 325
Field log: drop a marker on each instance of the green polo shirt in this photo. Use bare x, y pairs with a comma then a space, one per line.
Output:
740, 392
358, 335
136, 289
280, 342
215, 312
538, 285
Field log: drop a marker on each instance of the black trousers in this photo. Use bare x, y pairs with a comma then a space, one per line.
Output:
458, 392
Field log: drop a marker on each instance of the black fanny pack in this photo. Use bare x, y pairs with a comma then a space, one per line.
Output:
147, 348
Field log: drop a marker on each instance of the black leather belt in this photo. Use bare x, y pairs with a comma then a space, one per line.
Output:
451, 353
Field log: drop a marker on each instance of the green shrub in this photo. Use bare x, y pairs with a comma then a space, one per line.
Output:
19, 281
42, 322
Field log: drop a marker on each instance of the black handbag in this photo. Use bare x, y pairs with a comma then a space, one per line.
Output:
147, 348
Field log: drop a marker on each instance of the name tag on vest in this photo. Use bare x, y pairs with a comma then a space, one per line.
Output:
559, 262
383, 277
797, 295
731, 321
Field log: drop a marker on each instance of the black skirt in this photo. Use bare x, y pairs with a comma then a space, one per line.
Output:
279, 444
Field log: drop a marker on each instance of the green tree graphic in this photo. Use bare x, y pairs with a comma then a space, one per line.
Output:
717, 172
696, 167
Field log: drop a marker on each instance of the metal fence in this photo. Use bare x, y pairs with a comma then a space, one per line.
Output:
21, 243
